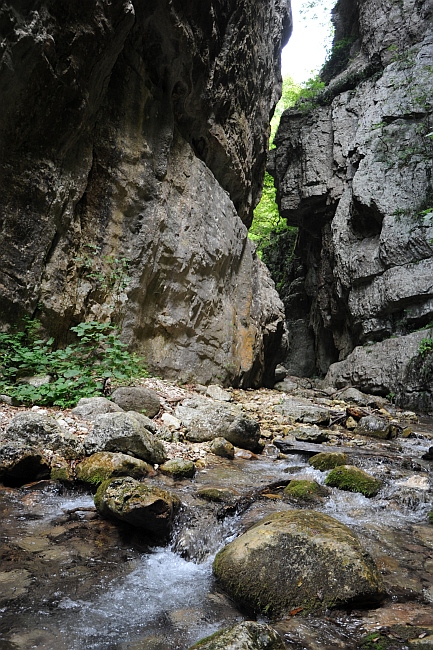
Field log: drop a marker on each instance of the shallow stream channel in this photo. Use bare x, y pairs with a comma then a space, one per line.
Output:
70, 580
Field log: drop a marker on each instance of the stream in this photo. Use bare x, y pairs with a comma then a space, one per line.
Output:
72, 581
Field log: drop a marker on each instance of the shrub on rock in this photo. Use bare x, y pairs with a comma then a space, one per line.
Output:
297, 558
353, 479
143, 506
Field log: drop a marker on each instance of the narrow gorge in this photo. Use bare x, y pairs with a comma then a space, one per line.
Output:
193, 456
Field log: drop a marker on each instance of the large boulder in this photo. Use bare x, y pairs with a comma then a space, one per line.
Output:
137, 398
154, 234
21, 464
206, 420
38, 431
297, 559
126, 433
105, 464
89, 408
247, 635
301, 410
138, 504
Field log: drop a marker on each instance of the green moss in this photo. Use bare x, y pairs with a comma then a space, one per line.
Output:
430, 517
219, 495
63, 474
304, 490
353, 479
178, 468
328, 460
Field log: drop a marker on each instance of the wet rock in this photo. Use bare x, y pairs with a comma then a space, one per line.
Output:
43, 432
305, 491
299, 410
247, 635
104, 465
353, 479
328, 460
14, 584
428, 455
89, 408
126, 433
245, 454
206, 421
217, 494
222, 447
19, 465
137, 398
297, 559
143, 506
216, 392
178, 468
310, 434
375, 427
415, 482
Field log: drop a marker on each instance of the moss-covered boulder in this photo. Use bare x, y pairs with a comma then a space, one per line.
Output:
217, 494
243, 636
328, 460
178, 468
353, 479
297, 558
303, 490
143, 506
105, 464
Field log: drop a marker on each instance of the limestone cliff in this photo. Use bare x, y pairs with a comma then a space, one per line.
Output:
354, 172
133, 142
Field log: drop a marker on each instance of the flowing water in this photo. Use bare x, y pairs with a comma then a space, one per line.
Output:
69, 580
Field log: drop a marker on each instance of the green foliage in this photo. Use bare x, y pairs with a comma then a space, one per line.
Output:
338, 58
426, 346
106, 272
290, 93
77, 371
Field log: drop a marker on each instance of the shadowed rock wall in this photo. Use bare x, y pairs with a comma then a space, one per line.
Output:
133, 142
355, 174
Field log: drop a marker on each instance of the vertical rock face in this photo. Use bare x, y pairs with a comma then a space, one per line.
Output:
134, 137
354, 172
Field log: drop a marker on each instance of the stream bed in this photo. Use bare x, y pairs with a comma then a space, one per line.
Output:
70, 580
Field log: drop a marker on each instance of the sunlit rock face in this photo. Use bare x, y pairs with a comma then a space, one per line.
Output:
355, 173
133, 143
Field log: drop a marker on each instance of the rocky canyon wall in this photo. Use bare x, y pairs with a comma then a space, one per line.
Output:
133, 143
354, 172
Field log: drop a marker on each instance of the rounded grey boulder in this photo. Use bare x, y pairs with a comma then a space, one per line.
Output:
137, 398
126, 433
